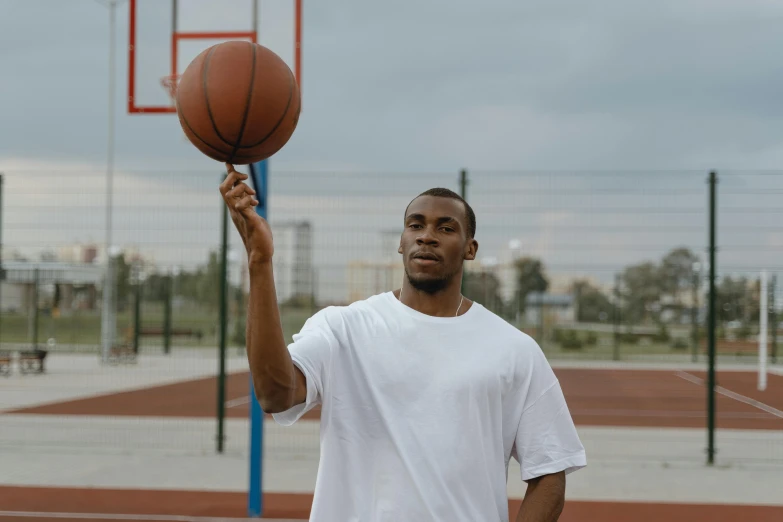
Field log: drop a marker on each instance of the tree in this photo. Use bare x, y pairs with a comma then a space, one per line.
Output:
731, 299
642, 292
677, 275
484, 288
592, 305
530, 278
122, 271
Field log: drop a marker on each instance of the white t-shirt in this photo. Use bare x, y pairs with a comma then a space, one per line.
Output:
420, 414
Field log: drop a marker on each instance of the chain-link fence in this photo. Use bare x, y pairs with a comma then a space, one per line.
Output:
606, 270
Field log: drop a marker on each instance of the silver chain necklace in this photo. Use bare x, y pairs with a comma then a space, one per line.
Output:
461, 298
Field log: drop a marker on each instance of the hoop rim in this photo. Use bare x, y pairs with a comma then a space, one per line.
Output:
170, 82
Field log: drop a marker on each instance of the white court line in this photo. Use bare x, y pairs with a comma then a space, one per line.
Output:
667, 413
732, 395
233, 403
120, 516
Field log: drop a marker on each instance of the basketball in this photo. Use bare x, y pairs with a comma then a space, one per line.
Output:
238, 102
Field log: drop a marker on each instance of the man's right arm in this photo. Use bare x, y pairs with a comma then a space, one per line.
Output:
278, 383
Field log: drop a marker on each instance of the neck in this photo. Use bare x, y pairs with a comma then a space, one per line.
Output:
445, 303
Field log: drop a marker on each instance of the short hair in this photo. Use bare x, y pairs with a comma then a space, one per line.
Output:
446, 193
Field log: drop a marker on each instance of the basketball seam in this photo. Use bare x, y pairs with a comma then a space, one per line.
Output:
185, 121
204, 69
282, 117
247, 102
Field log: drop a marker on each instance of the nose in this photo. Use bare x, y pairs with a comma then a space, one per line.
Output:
426, 237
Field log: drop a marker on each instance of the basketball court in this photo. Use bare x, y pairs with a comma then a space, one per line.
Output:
137, 442
596, 397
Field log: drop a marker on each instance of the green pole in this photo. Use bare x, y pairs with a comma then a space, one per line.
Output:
167, 314
774, 322
695, 318
463, 191
36, 276
137, 317
616, 318
711, 325
2, 267
221, 406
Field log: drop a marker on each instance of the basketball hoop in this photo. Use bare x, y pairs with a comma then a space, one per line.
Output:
170, 83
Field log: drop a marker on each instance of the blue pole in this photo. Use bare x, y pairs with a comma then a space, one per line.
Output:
255, 499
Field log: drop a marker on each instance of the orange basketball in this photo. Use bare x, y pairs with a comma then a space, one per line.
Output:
238, 102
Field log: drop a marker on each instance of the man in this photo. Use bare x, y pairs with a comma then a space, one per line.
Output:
425, 395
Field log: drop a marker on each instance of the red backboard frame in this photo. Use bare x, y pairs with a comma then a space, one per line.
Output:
176, 36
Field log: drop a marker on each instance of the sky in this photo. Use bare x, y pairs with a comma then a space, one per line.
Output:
529, 96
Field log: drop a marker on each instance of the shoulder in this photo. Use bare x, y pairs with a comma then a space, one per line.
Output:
339, 317
524, 355
504, 333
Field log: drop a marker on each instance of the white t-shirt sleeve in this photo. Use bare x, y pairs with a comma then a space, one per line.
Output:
546, 440
311, 352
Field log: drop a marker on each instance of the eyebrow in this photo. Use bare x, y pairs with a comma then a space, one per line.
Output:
440, 220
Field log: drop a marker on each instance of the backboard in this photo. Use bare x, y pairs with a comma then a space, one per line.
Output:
165, 35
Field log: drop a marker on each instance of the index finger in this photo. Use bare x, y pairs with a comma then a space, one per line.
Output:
231, 179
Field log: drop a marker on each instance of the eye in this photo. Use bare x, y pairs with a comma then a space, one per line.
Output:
414, 225
448, 229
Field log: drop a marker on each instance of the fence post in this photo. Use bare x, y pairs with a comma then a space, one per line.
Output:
167, 296
774, 322
137, 315
713, 182
221, 391
463, 192
2, 265
616, 319
36, 278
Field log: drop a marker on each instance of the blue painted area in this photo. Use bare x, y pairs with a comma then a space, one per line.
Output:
255, 498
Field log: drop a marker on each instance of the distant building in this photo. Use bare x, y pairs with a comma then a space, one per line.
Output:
293, 260
368, 278
78, 253
67, 286
558, 307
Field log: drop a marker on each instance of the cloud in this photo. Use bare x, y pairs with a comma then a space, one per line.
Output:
399, 97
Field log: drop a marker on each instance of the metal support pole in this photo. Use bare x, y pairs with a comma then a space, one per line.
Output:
259, 178
774, 320
221, 392
616, 319
2, 266
36, 282
137, 316
167, 297
463, 192
107, 311
711, 322
695, 317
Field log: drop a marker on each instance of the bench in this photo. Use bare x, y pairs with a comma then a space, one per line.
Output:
122, 354
179, 332
32, 361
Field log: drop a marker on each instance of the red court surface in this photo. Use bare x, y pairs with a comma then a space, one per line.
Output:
57, 504
596, 397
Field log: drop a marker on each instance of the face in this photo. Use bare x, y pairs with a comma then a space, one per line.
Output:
435, 242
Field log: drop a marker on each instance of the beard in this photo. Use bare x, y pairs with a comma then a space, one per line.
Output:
429, 285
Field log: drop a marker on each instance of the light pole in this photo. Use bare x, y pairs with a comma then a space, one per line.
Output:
107, 311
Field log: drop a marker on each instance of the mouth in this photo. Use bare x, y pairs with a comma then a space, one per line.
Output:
425, 258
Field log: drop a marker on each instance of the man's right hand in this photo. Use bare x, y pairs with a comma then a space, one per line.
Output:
253, 229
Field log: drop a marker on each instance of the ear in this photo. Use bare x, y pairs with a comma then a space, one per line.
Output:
470, 250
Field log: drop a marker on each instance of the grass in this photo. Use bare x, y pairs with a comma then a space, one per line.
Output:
83, 328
